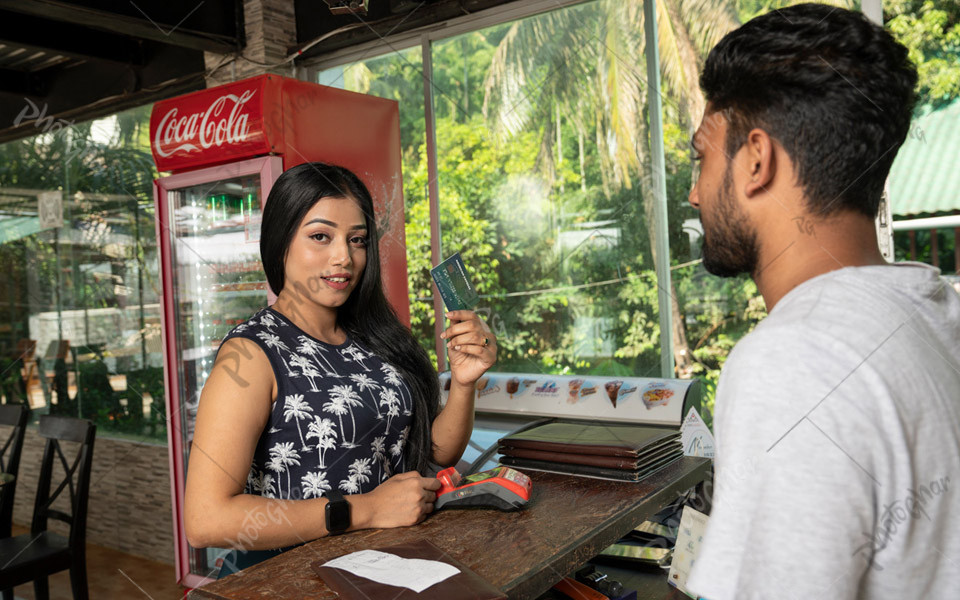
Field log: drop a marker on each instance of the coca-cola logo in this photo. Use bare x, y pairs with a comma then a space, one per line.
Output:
205, 129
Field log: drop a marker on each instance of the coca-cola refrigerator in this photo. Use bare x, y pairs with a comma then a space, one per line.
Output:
225, 147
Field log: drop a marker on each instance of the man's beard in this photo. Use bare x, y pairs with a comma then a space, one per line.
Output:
730, 243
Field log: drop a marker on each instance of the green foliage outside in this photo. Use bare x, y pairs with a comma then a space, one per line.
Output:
930, 29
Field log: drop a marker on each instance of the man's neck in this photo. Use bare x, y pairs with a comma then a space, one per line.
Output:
818, 247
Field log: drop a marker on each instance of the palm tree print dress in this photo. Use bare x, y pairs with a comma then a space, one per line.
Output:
340, 420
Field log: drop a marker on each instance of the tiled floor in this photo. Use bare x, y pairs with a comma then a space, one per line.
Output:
113, 574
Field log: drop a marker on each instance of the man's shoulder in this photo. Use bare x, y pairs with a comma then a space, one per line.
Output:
855, 311
852, 348
853, 298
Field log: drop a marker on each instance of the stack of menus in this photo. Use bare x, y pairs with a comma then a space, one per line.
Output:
600, 450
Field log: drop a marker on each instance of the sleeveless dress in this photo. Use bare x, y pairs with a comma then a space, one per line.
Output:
340, 420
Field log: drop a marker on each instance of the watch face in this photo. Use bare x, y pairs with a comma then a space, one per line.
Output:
338, 516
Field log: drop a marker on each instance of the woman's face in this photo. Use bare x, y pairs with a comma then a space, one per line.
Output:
328, 252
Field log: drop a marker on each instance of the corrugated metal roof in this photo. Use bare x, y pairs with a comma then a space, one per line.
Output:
925, 177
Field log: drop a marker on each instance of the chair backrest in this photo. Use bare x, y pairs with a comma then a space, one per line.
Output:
58, 429
26, 348
14, 415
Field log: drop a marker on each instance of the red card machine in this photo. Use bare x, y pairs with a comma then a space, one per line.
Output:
501, 487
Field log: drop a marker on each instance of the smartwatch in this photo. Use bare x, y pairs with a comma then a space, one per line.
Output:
337, 513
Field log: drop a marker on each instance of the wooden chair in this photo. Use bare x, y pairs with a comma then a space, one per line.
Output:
18, 370
36, 555
16, 416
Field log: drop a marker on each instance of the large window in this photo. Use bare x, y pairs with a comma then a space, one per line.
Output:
536, 191
547, 174
542, 187
79, 310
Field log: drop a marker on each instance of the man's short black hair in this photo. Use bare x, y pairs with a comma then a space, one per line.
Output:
835, 90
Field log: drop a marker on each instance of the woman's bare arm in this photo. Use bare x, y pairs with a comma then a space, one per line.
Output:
234, 409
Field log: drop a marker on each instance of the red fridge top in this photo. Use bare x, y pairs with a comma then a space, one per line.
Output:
300, 122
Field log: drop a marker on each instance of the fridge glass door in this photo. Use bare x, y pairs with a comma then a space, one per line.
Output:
218, 282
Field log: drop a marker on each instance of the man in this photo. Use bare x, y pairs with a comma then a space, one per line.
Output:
838, 418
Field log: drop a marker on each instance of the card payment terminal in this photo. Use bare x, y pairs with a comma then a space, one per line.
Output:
502, 488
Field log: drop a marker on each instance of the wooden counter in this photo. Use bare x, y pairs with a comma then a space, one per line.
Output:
567, 521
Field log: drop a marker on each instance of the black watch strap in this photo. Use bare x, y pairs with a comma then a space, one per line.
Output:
337, 512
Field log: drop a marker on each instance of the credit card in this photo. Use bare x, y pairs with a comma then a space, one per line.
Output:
455, 288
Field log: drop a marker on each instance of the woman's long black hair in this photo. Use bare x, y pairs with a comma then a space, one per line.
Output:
366, 315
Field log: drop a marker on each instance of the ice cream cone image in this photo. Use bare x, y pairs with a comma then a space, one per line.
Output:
613, 388
574, 390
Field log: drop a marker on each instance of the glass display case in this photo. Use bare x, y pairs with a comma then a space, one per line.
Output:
208, 224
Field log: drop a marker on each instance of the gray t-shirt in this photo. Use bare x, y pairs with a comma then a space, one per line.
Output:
838, 445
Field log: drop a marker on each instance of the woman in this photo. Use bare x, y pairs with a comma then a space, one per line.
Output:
325, 392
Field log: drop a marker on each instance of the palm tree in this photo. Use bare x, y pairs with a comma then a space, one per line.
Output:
284, 456
396, 449
338, 406
266, 485
389, 398
274, 341
306, 368
260, 482
356, 354
359, 472
268, 320
312, 348
349, 485
295, 408
602, 58
326, 435
348, 399
314, 484
378, 448
392, 376
365, 383
276, 465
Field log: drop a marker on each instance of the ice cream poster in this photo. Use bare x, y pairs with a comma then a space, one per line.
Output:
637, 399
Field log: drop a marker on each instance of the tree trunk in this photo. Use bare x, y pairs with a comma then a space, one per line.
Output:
559, 147
583, 179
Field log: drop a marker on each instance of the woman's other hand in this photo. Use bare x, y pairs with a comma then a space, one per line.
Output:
471, 345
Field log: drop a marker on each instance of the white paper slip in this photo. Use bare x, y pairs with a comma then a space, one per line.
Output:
695, 436
689, 537
416, 574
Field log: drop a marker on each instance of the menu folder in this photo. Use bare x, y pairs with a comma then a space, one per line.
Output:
588, 471
628, 441
466, 584
596, 460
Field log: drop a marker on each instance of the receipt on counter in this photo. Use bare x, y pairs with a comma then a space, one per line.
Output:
412, 573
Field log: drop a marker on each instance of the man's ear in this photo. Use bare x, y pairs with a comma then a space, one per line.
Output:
761, 162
